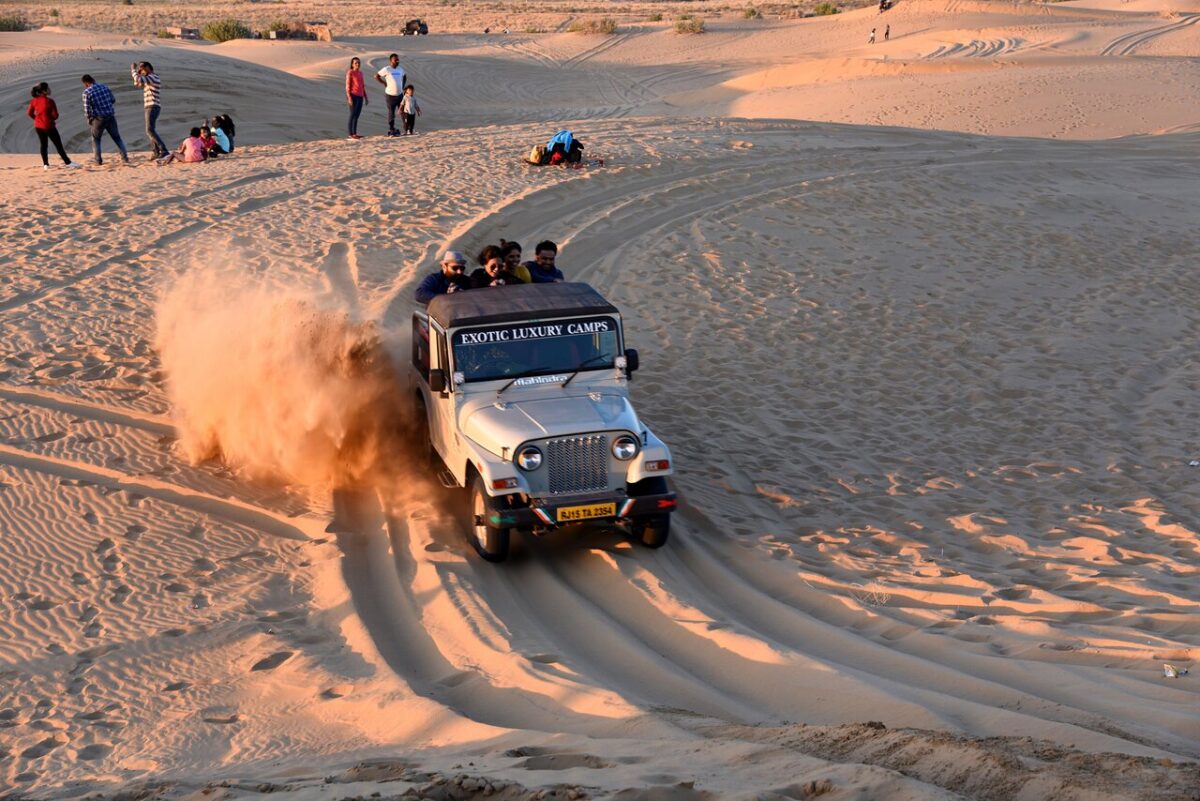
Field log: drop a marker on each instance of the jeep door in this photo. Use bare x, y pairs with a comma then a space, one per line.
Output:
442, 425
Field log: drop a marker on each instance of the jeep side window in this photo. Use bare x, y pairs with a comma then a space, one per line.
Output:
420, 346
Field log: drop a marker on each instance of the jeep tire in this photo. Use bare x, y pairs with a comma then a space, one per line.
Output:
489, 542
651, 531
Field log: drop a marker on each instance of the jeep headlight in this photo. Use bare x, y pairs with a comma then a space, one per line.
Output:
529, 458
625, 447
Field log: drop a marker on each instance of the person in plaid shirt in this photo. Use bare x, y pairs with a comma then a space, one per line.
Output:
99, 106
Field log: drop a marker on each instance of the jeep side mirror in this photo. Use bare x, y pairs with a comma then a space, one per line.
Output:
437, 380
631, 360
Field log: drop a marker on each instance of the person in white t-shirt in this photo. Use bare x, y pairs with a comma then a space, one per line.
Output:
394, 80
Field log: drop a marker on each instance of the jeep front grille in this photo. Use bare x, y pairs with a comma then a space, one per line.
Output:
577, 464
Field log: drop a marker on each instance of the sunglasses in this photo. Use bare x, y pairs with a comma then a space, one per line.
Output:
456, 266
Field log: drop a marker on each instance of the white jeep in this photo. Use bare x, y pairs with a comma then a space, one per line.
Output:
525, 393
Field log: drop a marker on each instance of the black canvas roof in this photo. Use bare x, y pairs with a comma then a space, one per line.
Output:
518, 302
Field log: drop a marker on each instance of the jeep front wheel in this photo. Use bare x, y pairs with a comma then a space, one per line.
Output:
651, 530
489, 541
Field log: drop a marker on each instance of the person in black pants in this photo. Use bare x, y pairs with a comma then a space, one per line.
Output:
44, 113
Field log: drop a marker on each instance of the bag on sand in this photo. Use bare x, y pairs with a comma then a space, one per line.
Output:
537, 155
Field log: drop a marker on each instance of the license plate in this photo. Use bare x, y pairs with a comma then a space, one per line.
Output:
573, 513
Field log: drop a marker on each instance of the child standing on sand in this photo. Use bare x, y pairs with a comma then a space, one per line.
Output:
44, 113
409, 109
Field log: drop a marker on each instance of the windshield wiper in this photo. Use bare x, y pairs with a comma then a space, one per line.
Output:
506, 386
586, 362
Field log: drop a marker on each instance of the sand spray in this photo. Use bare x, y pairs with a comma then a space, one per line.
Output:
281, 380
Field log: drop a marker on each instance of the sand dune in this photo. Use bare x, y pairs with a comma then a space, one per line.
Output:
930, 393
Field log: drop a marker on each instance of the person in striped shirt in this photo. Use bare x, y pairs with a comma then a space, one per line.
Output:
147, 79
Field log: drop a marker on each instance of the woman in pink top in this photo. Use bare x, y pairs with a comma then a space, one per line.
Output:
356, 94
192, 149
44, 114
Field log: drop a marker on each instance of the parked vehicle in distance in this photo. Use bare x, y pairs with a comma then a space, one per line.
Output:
524, 393
414, 27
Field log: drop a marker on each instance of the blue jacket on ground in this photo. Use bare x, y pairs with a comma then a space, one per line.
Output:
433, 285
564, 137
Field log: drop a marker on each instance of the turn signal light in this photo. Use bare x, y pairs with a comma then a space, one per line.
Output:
666, 504
658, 466
504, 483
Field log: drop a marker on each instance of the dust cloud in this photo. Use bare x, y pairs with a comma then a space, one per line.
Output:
281, 381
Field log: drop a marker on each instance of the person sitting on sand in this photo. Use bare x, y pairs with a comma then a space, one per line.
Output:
449, 279
211, 148
225, 123
494, 272
542, 268
222, 140
511, 251
44, 113
191, 150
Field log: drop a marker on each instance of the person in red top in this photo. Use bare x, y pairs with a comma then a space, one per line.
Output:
44, 114
356, 94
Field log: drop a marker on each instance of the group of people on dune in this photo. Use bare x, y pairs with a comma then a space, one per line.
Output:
398, 93
499, 265
100, 109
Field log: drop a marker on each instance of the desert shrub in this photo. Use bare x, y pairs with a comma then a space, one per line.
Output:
689, 25
825, 9
533, 29
163, 33
223, 30
603, 25
278, 25
655, 17
54, 13
751, 13
127, 2
13, 22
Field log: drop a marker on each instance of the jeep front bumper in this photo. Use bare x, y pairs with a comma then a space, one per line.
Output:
556, 512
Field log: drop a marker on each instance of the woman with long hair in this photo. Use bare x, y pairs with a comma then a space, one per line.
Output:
356, 94
44, 113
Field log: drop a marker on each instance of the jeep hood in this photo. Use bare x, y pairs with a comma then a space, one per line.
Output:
507, 425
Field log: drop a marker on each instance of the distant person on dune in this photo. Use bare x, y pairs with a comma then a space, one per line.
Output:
452, 277
410, 109
887, 32
192, 150
99, 107
871, 39
356, 94
148, 81
44, 113
394, 79
512, 260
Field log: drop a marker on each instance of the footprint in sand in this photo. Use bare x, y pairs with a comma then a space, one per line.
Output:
79, 579
273, 661
337, 691
545, 659
91, 517
42, 604
105, 545
564, 762
44, 747
219, 714
121, 593
51, 437
9, 718
93, 752
176, 686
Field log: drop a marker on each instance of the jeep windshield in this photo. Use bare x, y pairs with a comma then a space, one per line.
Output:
556, 348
